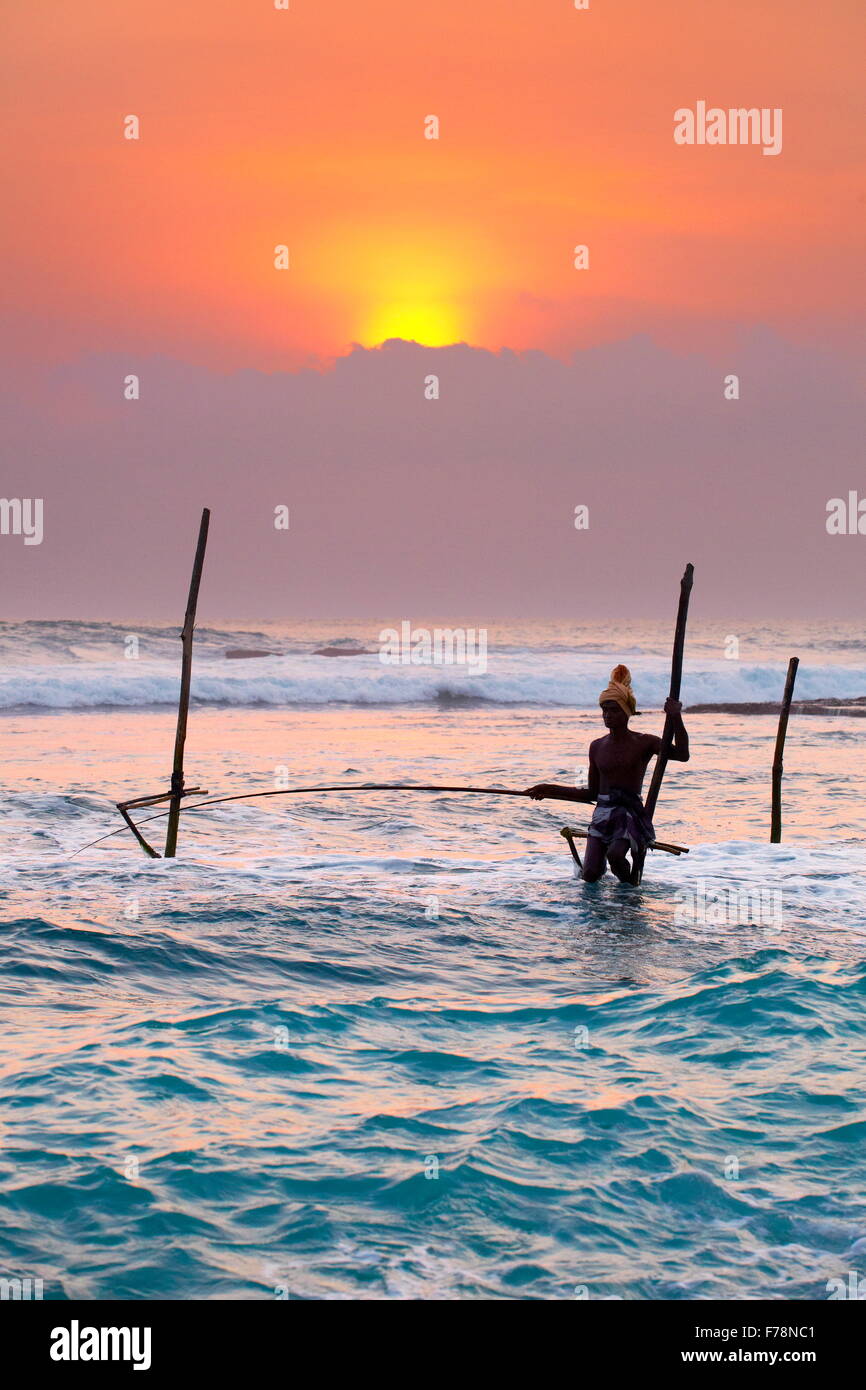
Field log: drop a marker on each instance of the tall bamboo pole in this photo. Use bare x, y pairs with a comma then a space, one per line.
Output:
670, 722
778, 765
676, 681
186, 637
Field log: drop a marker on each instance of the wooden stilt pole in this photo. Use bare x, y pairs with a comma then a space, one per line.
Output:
186, 636
676, 681
674, 692
778, 766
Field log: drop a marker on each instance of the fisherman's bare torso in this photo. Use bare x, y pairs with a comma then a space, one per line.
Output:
620, 760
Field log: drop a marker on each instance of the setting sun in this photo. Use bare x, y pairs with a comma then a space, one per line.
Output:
407, 284
431, 324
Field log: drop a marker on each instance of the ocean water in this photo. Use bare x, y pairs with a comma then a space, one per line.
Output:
72, 666
386, 1046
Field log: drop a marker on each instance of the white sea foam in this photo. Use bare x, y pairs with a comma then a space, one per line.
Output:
516, 677
80, 666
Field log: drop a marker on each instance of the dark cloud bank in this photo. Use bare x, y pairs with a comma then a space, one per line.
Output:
458, 506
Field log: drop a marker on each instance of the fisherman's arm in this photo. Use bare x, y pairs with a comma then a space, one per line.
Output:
680, 747
554, 792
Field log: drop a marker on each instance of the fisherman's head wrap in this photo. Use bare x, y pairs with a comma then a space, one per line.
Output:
620, 690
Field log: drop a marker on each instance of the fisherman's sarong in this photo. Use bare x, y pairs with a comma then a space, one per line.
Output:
620, 815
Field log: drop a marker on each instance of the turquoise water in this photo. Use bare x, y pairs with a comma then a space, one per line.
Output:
389, 1048
299, 1159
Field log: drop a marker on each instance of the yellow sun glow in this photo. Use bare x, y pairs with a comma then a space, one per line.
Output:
414, 319
409, 284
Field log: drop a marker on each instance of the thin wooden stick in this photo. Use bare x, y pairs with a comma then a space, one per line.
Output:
355, 787
124, 807
568, 834
778, 765
186, 637
569, 830
148, 849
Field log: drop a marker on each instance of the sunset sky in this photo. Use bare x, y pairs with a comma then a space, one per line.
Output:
261, 127
306, 128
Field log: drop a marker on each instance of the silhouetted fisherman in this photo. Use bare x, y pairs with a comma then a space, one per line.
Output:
617, 767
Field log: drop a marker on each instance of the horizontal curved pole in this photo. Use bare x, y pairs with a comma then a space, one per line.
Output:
296, 791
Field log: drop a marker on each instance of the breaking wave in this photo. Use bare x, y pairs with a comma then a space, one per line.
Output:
514, 679
80, 666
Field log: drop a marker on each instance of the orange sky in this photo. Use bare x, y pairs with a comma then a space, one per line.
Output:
262, 127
